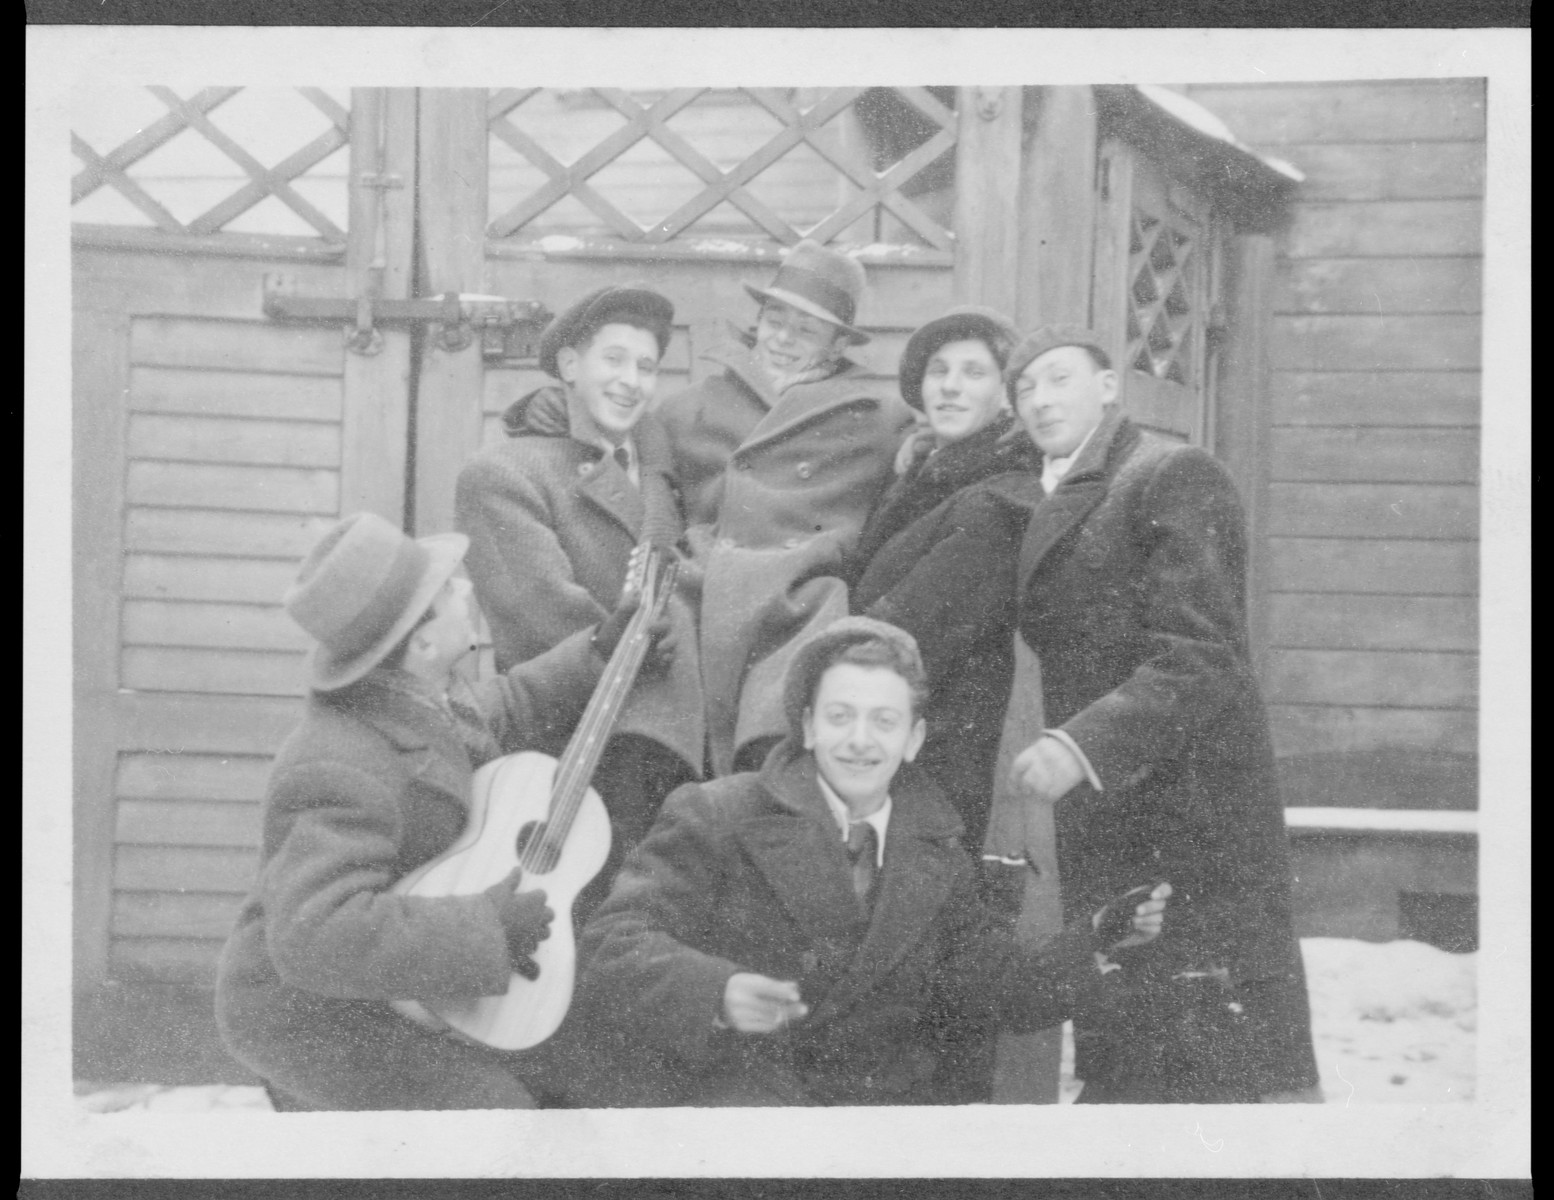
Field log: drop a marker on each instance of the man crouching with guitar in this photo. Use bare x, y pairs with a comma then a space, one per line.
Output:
373, 783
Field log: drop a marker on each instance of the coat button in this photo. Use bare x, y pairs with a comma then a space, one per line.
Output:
585, 468
804, 470
725, 543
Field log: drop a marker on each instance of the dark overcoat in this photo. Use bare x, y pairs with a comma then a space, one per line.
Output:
1132, 593
776, 492
552, 521
938, 559
749, 873
374, 782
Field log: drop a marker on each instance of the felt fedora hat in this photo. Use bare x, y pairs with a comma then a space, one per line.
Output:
812, 658
362, 589
631, 303
820, 282
959, 324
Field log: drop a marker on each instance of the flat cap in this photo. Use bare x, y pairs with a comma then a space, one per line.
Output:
1049, 337
814, 655
633, 303
971, 321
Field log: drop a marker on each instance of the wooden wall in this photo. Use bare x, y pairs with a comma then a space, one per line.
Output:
208, 459
1372, 550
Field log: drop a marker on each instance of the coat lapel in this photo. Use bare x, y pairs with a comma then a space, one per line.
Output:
1079, 493
605, 484
919, 874
798, 849
805, 403
429, 747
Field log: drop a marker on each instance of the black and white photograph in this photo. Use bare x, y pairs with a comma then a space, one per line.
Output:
620, 578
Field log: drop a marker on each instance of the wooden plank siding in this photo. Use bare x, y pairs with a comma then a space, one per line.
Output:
228, 431
1373, 448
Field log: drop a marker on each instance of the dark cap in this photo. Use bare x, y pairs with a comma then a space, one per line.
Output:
631, 304
819, 652
970, 321
1050, 337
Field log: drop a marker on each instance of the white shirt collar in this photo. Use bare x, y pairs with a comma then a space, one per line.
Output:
879, 818
1053, 469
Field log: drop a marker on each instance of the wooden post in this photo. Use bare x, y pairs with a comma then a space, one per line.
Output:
987, 166
1240, 433
453, 248
1058, 210
101, 401
375, 419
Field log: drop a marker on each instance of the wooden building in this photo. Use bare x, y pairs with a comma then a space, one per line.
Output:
258, 349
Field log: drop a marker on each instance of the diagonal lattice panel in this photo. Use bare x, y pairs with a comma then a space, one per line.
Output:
168, 179
720, 188
1160, 307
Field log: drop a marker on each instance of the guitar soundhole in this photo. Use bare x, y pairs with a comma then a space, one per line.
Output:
536, 853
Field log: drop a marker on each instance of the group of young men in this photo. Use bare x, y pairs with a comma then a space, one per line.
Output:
790, 913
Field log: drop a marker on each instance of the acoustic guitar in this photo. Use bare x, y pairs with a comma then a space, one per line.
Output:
532, 811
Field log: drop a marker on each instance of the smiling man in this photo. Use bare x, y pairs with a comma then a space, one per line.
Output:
1131, 588
552, 516
809, 934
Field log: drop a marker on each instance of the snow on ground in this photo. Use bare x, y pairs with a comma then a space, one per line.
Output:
1393, 1022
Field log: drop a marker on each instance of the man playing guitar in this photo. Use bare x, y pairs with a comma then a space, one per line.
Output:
373, 783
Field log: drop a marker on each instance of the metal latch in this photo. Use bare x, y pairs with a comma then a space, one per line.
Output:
508, 329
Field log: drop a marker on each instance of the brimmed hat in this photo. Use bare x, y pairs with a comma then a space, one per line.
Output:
362, 589
1050, 337
651, 310
969, 321
812, 658
820, 282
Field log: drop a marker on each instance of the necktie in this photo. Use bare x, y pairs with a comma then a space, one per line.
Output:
861, 848
623, 456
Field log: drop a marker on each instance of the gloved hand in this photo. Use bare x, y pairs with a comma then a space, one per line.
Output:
608, 633
1134, 918
524, 915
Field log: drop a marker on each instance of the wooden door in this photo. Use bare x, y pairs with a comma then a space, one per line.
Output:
1156, 291
211, 448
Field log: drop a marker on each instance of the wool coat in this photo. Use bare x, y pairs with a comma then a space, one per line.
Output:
374, 782
749, 873
776, 492
937, 558
552, 521
1131, 590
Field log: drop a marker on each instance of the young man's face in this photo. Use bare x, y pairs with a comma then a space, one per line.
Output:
963, 389
788, 341
614, 373
1061, 396
860, 729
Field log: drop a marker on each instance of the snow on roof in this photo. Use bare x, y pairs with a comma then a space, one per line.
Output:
1200, 120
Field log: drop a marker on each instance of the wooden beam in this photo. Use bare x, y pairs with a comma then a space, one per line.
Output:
101, 384
1240, 433
1057, 209
452, 221
376, 403
987, 158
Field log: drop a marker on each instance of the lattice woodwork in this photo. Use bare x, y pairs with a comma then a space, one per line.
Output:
192, 115
844, 188
1163, 299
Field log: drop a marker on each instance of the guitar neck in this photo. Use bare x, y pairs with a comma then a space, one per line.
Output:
581, 757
